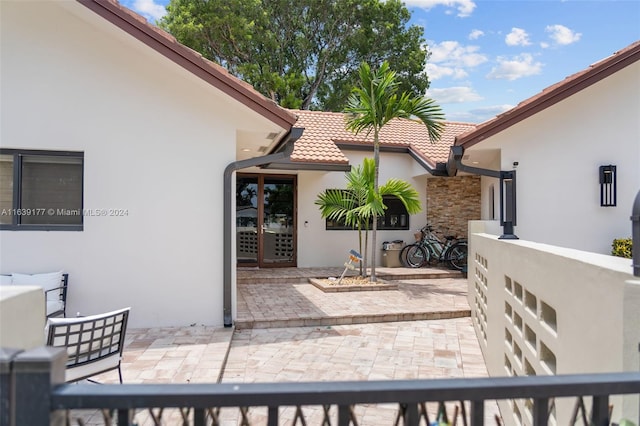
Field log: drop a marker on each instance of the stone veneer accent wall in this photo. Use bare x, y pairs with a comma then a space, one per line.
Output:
452, 202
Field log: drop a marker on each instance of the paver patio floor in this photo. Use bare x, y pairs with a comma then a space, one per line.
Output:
375, 348
266, 305
377, 351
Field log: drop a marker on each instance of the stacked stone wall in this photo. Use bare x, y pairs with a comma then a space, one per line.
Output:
452, 202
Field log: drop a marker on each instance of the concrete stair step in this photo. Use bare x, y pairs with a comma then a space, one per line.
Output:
350, 319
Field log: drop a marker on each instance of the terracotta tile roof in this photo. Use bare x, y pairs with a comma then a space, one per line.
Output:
324, 132
166, 44
553, 94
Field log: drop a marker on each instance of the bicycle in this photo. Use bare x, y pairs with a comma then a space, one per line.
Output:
452, 251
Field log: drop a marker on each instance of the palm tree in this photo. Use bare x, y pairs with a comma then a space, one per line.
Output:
376, 102
357, 204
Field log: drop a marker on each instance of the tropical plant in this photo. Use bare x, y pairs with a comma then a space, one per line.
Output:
358, 204
622, 247
374, 103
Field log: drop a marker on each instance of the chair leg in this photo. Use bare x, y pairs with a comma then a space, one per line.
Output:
120, 373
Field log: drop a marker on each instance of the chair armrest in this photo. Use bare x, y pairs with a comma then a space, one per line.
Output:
62, 296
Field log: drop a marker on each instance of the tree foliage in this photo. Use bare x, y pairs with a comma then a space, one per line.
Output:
302, 53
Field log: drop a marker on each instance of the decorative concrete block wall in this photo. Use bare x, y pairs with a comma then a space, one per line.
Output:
452, 202
544, 310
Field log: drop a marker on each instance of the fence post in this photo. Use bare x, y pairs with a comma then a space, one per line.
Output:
7, 386
36, 371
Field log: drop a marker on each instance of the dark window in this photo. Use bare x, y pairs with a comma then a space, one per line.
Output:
395, 217
41, 190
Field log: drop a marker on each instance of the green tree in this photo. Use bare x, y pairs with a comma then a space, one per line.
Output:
302, 53
376, 101
358, 204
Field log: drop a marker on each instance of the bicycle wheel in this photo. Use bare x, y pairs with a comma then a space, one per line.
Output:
456, 256
415, 256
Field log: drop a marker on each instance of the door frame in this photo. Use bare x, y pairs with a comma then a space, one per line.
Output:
260, 263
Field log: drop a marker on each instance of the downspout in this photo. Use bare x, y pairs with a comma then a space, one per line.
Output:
507, 189
635, 235
283, 154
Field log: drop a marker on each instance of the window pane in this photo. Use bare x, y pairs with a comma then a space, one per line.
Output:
52, 187
6, 189
396, 216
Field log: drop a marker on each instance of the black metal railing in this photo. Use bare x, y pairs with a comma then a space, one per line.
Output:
32, 393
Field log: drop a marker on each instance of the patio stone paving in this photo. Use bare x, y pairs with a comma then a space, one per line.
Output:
382, 351
265, 305
377, 345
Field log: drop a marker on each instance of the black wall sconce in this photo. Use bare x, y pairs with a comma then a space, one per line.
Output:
608, 186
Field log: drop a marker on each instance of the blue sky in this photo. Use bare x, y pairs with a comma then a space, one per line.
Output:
487, 56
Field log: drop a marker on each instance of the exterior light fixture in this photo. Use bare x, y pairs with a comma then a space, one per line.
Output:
608, 186
508, 204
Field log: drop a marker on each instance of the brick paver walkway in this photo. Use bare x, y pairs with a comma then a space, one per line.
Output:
370, 347
381, 351
266, 305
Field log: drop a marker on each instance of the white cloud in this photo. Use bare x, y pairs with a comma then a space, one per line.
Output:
562, 35
515, 68
492, 110
452, 53
149, 9
454, 95
451, 59
517, 37
436, 71
476, 34
478, 115
464, 7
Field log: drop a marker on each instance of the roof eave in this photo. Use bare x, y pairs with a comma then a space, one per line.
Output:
554, 95
190, 60
309, 166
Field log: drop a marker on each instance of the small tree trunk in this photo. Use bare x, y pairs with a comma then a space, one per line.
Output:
366, 248
376, 160
360, 247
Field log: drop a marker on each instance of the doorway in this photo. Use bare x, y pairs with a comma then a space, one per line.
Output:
265, 220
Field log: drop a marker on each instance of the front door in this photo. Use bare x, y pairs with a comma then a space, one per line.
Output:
265, 220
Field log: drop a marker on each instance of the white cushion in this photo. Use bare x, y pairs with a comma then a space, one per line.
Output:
47, 281
54, 306
5, 280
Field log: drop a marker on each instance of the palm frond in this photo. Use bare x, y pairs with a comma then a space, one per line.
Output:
404, 192
334, 204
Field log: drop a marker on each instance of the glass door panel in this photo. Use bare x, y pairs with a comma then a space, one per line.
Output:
247, 219
278, 236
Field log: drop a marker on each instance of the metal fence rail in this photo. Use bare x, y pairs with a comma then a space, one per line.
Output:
33, 394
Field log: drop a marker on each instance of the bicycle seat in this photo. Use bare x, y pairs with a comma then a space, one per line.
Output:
449, 237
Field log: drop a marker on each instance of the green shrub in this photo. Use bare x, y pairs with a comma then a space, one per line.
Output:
621, 247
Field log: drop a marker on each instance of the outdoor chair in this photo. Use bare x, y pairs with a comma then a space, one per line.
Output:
94, 343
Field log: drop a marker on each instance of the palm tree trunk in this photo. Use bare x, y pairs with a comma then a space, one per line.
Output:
376, 160
365, 257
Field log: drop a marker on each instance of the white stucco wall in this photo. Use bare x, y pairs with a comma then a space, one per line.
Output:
319, 247
559, 151
156, 140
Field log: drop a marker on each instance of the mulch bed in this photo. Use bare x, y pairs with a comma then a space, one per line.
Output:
330, 285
